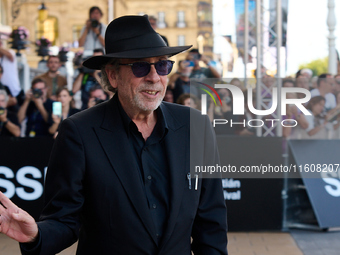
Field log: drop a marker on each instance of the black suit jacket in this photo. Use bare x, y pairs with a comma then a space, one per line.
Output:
93, 191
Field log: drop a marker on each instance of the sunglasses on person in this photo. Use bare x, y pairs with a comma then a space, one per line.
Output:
141, 69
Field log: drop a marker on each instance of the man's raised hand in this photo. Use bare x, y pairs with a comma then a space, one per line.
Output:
15, 222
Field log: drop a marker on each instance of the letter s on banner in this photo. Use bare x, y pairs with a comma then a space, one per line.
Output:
8, 185
33, 184
333, 180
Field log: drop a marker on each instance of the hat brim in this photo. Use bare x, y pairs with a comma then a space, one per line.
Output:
96, 62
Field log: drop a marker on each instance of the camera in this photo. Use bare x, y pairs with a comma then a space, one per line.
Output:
189, 63
98, 100
94, 23
197, 56
84, 70
227, 100
37, 93
2, 110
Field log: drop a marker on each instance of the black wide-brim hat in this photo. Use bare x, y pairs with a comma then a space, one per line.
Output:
132, 37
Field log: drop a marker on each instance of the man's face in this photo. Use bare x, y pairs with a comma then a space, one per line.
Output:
41, 86
306, 75
302, 82
139, 95
3, 102
288, 84
95, 15
268, 81
153, 23
53, 64
98, 93
328, 83
223, 92
192, 56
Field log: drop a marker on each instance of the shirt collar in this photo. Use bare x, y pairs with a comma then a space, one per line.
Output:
161, 127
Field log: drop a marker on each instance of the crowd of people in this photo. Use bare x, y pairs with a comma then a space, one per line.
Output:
324, 105
34, 114
31, 114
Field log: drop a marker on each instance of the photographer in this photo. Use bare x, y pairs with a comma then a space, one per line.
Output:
199, 72
86, 79
37, 108
9, 125
92, 34
97, 96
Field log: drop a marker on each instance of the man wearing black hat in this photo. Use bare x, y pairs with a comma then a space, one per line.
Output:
118, 178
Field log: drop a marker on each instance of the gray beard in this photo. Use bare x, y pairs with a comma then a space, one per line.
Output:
142, 106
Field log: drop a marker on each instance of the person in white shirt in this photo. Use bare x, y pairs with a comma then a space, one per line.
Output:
325, 86
93, 32
10, 77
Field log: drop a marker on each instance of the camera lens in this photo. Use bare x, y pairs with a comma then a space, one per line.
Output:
94, 23
37, 93
98, 100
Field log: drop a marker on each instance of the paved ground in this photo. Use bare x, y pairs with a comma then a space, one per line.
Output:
258, 243
317, 243
297, 242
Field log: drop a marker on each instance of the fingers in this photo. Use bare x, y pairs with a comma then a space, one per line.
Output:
3, 199
2, 210
6, 203
21, 217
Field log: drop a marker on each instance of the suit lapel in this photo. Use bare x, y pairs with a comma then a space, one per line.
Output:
115, 143
177, 149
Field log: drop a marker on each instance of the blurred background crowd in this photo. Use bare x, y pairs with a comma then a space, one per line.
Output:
28, 94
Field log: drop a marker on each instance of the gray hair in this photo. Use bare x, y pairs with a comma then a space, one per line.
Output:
3, 92
113, 65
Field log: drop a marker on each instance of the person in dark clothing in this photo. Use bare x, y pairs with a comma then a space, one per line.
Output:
86, 80
9, 125
37, 108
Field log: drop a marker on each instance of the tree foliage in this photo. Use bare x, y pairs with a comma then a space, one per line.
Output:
318, 66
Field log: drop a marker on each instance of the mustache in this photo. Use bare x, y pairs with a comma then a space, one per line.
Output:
151, 86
